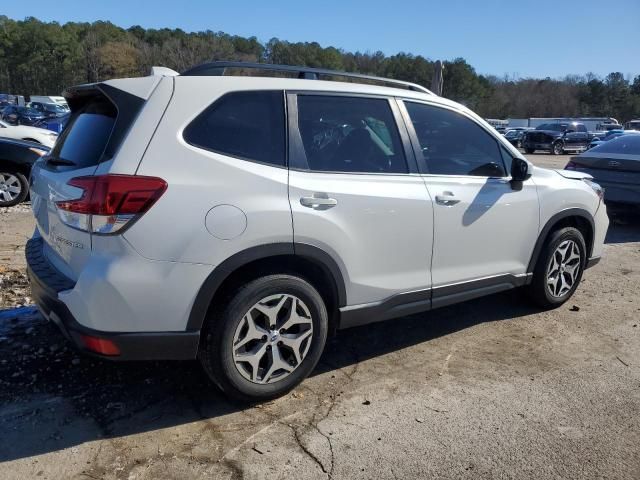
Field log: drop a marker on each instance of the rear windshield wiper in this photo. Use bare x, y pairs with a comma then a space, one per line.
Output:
60, 162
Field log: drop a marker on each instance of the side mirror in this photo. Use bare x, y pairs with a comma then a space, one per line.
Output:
519, 172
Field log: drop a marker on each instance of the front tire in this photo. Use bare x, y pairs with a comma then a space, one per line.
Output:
266, 339
558, 271
529, 150
14, 188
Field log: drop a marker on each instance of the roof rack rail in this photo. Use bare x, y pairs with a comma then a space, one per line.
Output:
219, 68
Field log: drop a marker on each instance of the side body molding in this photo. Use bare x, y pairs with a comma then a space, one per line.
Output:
216, 278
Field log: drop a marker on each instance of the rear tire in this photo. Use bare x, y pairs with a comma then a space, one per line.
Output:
265, 339
558, 271
14, 188
557, 148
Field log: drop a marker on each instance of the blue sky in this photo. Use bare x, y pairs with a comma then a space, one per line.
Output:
536, 38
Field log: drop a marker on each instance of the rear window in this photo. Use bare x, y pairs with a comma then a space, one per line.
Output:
247, 125
628, 144
87, 134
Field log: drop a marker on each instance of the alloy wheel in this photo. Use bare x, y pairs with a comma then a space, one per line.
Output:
564, 268
557, 148
272, 339
10, 187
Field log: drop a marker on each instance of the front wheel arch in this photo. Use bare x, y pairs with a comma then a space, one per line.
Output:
572, 217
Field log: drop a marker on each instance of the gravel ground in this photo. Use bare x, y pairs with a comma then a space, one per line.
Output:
491, 388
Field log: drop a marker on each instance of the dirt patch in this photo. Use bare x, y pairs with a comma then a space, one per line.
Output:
14, 288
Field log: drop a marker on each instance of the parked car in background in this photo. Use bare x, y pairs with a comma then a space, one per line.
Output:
632, 125
55, 124
50, 110
17, 115
609, 136
16, 159
50, 99
615, 165
28, 133
515, 137
384, 202
557, 138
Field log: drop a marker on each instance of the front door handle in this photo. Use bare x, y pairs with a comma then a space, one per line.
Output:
318, 201
447, 199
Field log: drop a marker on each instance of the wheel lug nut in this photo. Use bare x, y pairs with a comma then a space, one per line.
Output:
279, 343
268, 347
281, 331
264, 338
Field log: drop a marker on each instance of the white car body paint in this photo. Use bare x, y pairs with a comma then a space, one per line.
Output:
25, 132
386, 234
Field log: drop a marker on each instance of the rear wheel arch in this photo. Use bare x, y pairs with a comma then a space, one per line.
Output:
306, 261
572, 217
10, 166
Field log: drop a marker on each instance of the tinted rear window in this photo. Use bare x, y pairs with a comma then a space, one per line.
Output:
85, 138
629, 144
247, 125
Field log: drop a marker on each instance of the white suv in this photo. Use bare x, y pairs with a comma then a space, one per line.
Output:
240, 219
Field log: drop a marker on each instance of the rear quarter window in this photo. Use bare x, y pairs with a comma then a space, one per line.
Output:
249, 125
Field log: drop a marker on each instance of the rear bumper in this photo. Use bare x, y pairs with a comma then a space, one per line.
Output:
46, 283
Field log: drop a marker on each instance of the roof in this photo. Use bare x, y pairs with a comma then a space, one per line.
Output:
233, 83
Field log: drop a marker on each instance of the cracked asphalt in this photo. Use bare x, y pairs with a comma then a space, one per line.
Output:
491, 388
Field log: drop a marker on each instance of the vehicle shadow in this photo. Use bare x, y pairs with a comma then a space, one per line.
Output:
52, 398
624, 227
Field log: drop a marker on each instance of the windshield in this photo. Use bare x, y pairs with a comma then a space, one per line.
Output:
627, 144
556, 127
50, 107
28, 111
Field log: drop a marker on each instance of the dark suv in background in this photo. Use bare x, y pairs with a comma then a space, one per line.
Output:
557, 138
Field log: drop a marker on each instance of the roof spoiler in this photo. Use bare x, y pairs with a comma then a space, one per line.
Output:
163, 72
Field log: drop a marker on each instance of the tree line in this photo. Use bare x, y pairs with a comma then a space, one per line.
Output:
42, 58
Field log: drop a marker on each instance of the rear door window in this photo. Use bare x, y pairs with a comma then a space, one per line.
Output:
84, 140
350, 134
248, 125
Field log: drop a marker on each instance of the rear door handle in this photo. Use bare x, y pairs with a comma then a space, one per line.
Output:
447, 199
318, 201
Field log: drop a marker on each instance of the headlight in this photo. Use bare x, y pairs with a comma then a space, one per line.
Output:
595, 187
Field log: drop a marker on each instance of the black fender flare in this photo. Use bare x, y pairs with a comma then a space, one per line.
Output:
544, 233
219, 274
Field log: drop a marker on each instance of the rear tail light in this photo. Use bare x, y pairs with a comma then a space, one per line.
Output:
571, 166
109, 202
